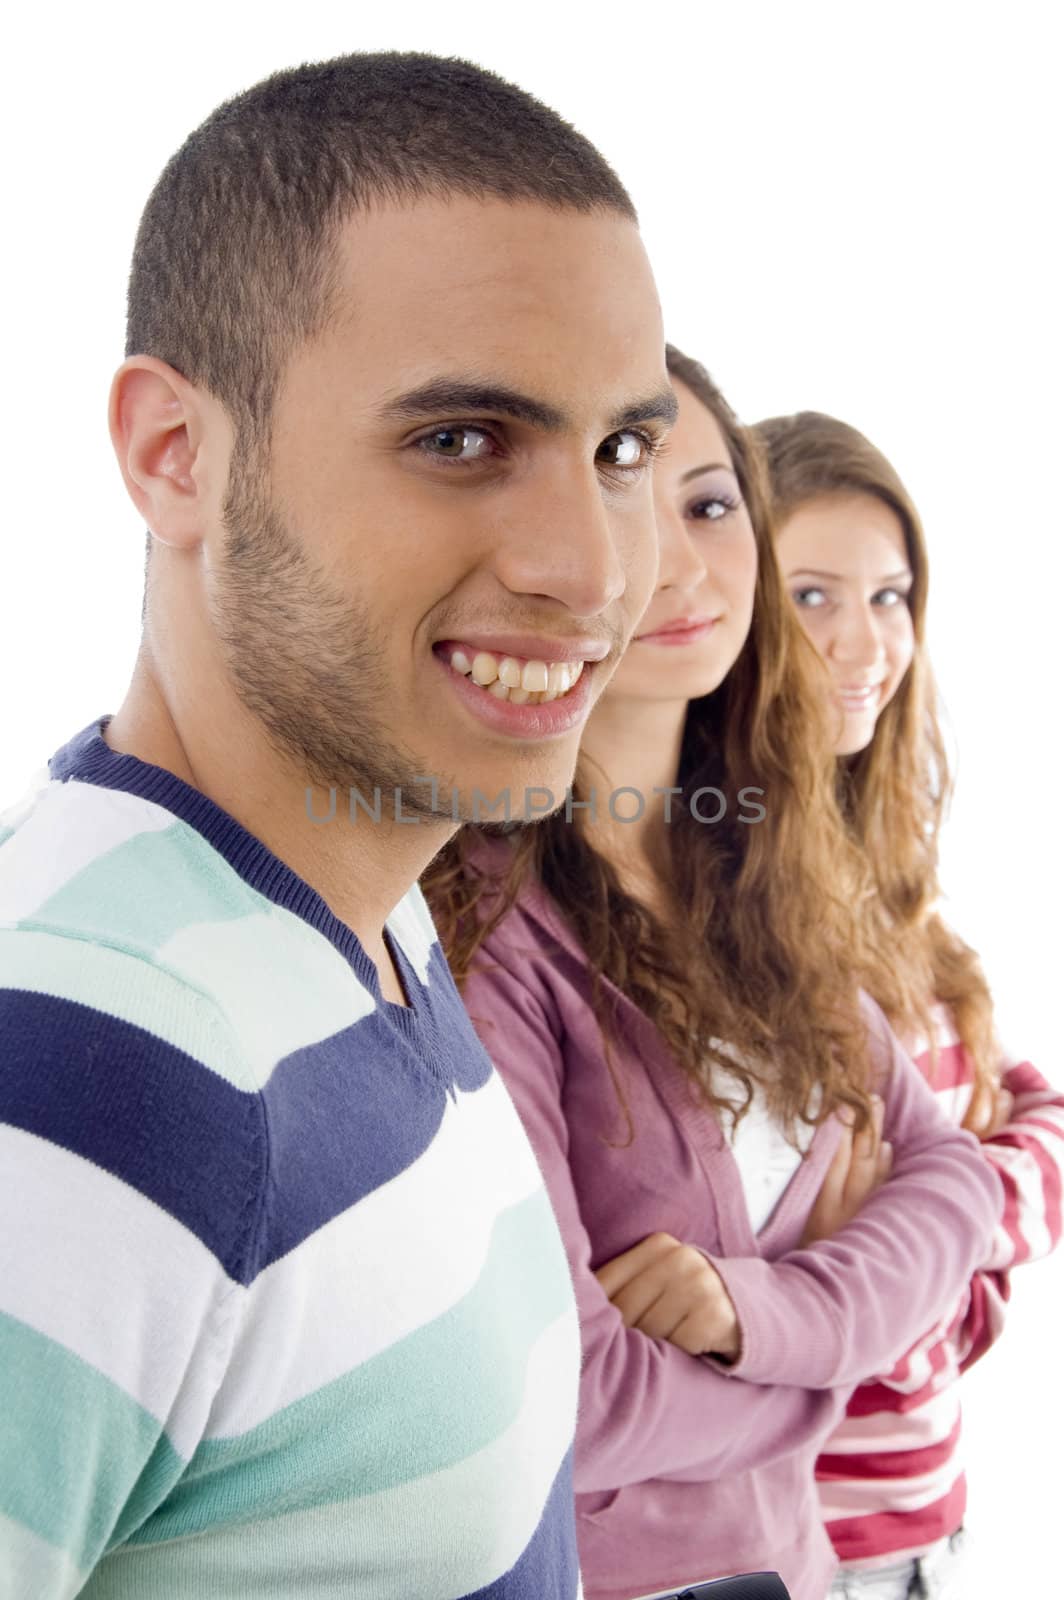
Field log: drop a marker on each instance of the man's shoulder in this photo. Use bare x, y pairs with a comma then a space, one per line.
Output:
117, 1059
96, 886
131, 911
113, 868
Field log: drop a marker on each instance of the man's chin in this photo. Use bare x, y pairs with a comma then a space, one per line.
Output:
517, 791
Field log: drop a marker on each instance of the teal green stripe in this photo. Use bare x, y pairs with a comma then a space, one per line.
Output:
127, 987
5, 834
430, 1401
148, 888
169, 899
81, 1463
313, 992
450, 1533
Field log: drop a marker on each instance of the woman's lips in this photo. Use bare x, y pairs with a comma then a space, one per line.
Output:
683, 632
863, 699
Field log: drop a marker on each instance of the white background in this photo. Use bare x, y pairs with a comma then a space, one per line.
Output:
850, 207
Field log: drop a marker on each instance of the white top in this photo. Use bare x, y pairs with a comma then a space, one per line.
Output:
766, 1160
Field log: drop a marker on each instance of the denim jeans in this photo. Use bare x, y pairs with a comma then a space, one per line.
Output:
938, 1575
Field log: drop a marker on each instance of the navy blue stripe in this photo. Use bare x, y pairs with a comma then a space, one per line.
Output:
141, 1109
548, 1565
335, 1122
349, 1113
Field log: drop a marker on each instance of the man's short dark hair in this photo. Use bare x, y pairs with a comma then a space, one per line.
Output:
232, 266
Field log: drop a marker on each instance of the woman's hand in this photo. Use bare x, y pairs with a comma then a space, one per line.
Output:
669, 1290
860, 1164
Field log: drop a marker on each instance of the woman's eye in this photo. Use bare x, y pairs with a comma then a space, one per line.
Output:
711, 509
457, 444
809, 596
625, 450
889, 597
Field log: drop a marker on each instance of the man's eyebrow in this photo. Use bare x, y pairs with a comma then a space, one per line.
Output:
447, 396
663, 407
450, 397
710, 466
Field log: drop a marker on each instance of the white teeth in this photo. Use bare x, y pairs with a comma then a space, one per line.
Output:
533, 683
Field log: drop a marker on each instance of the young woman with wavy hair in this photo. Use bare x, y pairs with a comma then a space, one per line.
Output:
671, 1001
854, 558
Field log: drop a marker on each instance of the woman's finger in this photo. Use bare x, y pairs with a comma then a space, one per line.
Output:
861, 1177
978, 1117
884, 1162
613, 1275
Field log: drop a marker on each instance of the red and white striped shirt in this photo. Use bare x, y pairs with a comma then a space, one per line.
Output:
891, 1480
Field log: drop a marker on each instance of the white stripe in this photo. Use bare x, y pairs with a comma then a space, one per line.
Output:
927, 1425
31, 1567
914, 1370
311, 989
15, 814
445, 1535
393, 1263
411, 923
1022, 1167
71, 825
954, 1102
1050, 1141
874, 1495
993, 1325
92, 1264
943, 1031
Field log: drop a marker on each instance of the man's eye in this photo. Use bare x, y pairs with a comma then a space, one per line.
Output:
626, 449
457, 444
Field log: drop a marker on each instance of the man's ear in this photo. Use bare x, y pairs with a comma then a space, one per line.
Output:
158, 428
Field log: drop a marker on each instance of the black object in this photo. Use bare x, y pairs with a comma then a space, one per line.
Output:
747, 1586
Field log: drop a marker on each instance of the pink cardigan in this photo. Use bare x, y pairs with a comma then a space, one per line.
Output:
685, 1469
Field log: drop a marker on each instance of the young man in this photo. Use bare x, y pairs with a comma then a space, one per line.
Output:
283, 1308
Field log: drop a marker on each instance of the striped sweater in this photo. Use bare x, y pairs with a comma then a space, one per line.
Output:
284, 1309
891, 1479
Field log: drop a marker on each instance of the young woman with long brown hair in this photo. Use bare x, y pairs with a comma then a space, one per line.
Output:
854, 559
671, 1002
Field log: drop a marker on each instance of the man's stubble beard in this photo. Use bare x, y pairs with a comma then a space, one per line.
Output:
305, 660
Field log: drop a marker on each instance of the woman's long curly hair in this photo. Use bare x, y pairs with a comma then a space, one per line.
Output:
759, 974
894, 793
